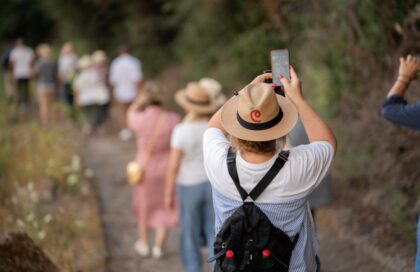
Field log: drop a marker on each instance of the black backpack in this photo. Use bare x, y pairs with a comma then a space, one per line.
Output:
248, 241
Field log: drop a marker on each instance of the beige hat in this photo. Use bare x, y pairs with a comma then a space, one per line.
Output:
84, 62
196, 99
257, 114
99, 57
214, 89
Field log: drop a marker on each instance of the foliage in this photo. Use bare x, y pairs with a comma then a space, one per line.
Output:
45, 192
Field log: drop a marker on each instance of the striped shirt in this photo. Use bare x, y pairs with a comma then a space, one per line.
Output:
285, 199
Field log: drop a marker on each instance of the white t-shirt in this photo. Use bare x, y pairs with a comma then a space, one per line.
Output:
91, 90
124, 75
304, 170
22, 58
67, 65
188, 137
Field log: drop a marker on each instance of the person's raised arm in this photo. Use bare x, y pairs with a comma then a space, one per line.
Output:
315, 127
406, 73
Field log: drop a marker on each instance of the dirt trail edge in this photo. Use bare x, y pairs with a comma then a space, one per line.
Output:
107, 156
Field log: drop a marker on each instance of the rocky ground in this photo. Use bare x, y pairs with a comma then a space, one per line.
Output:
342, 247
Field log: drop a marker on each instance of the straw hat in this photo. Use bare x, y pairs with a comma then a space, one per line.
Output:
84, 62
196, 99
214, 89
98, 57
257, 114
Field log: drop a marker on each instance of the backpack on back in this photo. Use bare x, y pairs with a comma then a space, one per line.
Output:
248, 241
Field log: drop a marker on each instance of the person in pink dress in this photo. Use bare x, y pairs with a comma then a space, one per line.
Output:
148, 196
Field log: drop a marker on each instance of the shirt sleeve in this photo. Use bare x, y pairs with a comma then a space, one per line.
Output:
310, 164
215, 148
177, 139
395, 109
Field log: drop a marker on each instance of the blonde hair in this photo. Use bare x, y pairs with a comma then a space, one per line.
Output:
152, 93
44, 51
256, 147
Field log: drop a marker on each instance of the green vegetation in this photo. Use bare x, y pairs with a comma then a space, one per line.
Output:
45, 192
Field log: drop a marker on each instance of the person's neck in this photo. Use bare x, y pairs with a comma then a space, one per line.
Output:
252, 157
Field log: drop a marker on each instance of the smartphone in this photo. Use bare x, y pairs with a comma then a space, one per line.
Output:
280, 65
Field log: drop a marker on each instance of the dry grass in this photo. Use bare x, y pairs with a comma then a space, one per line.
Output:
45, 192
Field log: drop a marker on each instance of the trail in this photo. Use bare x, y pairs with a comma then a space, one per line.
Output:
107, 156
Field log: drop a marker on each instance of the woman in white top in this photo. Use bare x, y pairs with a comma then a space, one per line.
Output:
186, 168
255, 122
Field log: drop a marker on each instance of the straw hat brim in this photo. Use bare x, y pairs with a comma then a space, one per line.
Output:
231, 124
182, 100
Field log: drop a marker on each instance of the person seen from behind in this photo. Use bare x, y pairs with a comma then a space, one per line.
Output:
89, 94
46, 76
21, 61
396, 110
186, 169
246, 165
67, 67
125, 77
152, 125
99, 60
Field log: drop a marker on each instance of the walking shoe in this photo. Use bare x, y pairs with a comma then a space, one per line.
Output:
142, 248
157, 252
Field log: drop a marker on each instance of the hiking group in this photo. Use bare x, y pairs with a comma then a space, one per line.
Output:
242, 176
246, 171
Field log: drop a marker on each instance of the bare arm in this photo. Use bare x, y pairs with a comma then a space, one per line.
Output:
315, 127
171, 174
407, 72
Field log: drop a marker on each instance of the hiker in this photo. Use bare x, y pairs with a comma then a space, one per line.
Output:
125, 77
99, 60
67, 66
89, 94
46, 74
152, 125
8, 75
396, 110
322, 195
245, 162
21, 61
186, 168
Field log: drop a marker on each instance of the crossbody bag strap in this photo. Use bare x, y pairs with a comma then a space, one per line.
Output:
153, 139
265, 181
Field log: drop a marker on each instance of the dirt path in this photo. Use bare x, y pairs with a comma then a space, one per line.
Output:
107, 156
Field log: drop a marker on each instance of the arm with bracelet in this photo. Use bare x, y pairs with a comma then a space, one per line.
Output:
395, 108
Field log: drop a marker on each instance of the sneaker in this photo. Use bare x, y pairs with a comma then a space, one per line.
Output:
142, 248
157, 252
125, 134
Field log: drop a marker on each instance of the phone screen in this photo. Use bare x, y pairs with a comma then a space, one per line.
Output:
280, 65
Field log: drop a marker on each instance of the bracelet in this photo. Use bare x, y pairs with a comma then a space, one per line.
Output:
406, 82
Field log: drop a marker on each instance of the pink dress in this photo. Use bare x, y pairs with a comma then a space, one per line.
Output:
148, 196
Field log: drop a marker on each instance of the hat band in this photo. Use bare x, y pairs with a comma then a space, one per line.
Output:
260, 126
192, 101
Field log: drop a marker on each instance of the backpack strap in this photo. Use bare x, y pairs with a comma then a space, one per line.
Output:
233, 172
271, 174
265, 181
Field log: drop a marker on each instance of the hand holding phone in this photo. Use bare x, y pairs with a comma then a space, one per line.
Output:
280, 65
